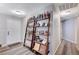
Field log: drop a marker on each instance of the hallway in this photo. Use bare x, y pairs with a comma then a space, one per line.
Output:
67, 48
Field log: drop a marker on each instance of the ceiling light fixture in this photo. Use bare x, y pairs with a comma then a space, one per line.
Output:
18, 12
65, 13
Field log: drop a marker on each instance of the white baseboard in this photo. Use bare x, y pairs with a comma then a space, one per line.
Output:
4, 45
70, 41
9, 44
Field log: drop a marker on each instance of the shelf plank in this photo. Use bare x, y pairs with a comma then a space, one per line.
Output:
42, 26
43, 19
40, 43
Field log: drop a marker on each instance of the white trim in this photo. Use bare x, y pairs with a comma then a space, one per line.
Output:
76, 30
10, 44
70, 41
4, 45
57, 47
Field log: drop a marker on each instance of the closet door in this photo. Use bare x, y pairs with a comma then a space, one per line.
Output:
13, 31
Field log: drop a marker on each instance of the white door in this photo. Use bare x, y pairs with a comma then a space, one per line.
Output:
13, 31
68, 28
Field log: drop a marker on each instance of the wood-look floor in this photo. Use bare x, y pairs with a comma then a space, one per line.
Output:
67, 48
17, 50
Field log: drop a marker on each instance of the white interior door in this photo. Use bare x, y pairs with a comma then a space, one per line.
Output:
13, 31
68, 28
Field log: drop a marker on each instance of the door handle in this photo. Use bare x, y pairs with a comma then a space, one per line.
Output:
8, 33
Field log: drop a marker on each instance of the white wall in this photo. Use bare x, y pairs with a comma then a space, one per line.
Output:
55, 31
24, 25
68, 28
14, 29
7, 22
2, 29
56, 37
50, 35
77, 31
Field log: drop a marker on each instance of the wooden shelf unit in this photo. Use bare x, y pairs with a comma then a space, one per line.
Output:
29, 29
42, 46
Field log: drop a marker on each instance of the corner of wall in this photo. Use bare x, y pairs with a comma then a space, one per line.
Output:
57, 48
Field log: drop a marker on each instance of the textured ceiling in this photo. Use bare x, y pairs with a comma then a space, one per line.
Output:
32, 8
68, 10
66, 6
28, 8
